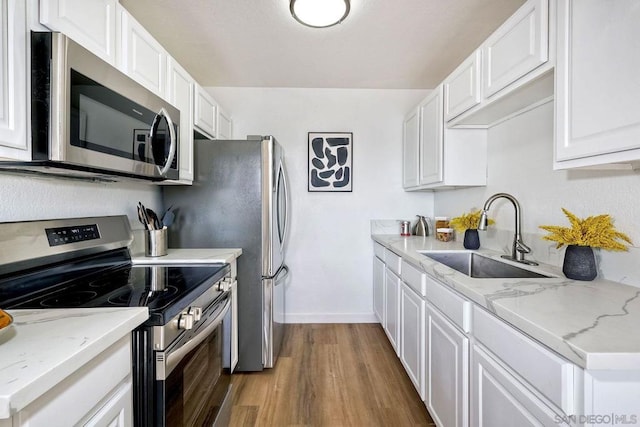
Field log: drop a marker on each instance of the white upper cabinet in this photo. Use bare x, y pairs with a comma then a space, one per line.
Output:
513, 70
204, 119
89, 23
431, 139
142, 58
519, 46
13, 80
180, 90
462, 87
439, 158
410, 149
225, 125
597, 83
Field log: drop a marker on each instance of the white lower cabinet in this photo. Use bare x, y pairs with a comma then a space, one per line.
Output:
392, 309
117, 412
447, 371
412, 337
498, 399
97, 394
378, 289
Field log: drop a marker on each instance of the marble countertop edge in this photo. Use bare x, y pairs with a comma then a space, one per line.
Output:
23, 380
591, 324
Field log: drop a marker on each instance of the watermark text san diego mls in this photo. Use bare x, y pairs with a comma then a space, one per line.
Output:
598, 419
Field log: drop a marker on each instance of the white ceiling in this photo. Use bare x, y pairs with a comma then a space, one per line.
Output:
386, 44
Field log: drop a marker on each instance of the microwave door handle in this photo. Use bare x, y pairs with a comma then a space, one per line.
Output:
172, 136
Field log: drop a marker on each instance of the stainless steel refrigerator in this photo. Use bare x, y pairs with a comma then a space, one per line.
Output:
239, 198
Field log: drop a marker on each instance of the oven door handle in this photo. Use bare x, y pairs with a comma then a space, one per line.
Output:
166, 361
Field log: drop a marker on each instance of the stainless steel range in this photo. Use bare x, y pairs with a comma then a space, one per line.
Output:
181, 354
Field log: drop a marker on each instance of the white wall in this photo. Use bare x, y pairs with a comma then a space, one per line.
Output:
520, 163
29, 198
330, 248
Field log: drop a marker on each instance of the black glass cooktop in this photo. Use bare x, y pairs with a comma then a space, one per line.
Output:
111, 281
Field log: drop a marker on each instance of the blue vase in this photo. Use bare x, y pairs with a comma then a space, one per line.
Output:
471, 239
579, 263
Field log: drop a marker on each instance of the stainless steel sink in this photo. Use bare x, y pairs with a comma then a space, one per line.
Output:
480, 267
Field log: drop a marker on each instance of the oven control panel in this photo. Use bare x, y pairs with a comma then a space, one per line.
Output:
65, 235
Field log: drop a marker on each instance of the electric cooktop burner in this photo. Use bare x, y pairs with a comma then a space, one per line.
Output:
109, 280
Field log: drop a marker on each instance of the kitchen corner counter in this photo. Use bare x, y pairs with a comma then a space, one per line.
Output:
43, 347
189, 256
593, 324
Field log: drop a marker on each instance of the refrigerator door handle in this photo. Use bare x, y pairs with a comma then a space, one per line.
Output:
275, 277
286, 201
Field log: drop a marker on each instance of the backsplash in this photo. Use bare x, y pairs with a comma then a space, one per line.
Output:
30, 198
520, 163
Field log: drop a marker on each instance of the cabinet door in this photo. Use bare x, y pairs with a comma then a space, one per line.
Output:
225, 125
412, 312
204, 119
180, 90
392, 309
117, 412
597, 84
447, 375
13, 80
142, 57
91, 24
499, 400
410, 153
519, 46
462, 87
378, 289
431, 139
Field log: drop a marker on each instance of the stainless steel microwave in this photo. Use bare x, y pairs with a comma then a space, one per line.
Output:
90, 120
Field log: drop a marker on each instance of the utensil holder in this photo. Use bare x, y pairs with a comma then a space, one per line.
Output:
155, 242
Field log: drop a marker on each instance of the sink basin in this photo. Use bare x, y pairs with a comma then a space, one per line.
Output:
481, 267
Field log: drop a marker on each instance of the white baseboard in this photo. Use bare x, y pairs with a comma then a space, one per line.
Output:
330, 318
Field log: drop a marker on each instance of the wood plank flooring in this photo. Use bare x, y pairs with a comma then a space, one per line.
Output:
330, 375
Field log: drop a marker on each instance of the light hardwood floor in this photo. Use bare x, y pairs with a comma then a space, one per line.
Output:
330, 375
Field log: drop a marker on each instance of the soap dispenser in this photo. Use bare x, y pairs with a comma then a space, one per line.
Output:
421, 228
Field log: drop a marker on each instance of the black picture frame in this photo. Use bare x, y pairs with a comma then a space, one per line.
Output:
330, 162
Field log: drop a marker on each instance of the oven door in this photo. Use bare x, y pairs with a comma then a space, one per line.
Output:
192, 376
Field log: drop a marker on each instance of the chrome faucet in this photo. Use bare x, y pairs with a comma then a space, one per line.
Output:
519, 249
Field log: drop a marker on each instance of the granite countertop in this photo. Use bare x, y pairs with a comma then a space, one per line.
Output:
593, 324
189, 256
43, 347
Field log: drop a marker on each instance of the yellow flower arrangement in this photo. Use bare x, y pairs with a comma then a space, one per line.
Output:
468, 221
595, 231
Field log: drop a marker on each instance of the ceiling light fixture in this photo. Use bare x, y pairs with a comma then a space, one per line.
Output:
319, 13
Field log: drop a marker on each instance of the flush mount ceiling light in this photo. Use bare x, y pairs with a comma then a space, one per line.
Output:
319, 13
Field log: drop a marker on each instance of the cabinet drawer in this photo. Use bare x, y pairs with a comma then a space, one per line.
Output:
378, 250
393, 261
452, 305
414, 278
548, 373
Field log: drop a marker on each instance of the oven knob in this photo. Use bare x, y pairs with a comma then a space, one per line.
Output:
185, 321
196, 312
